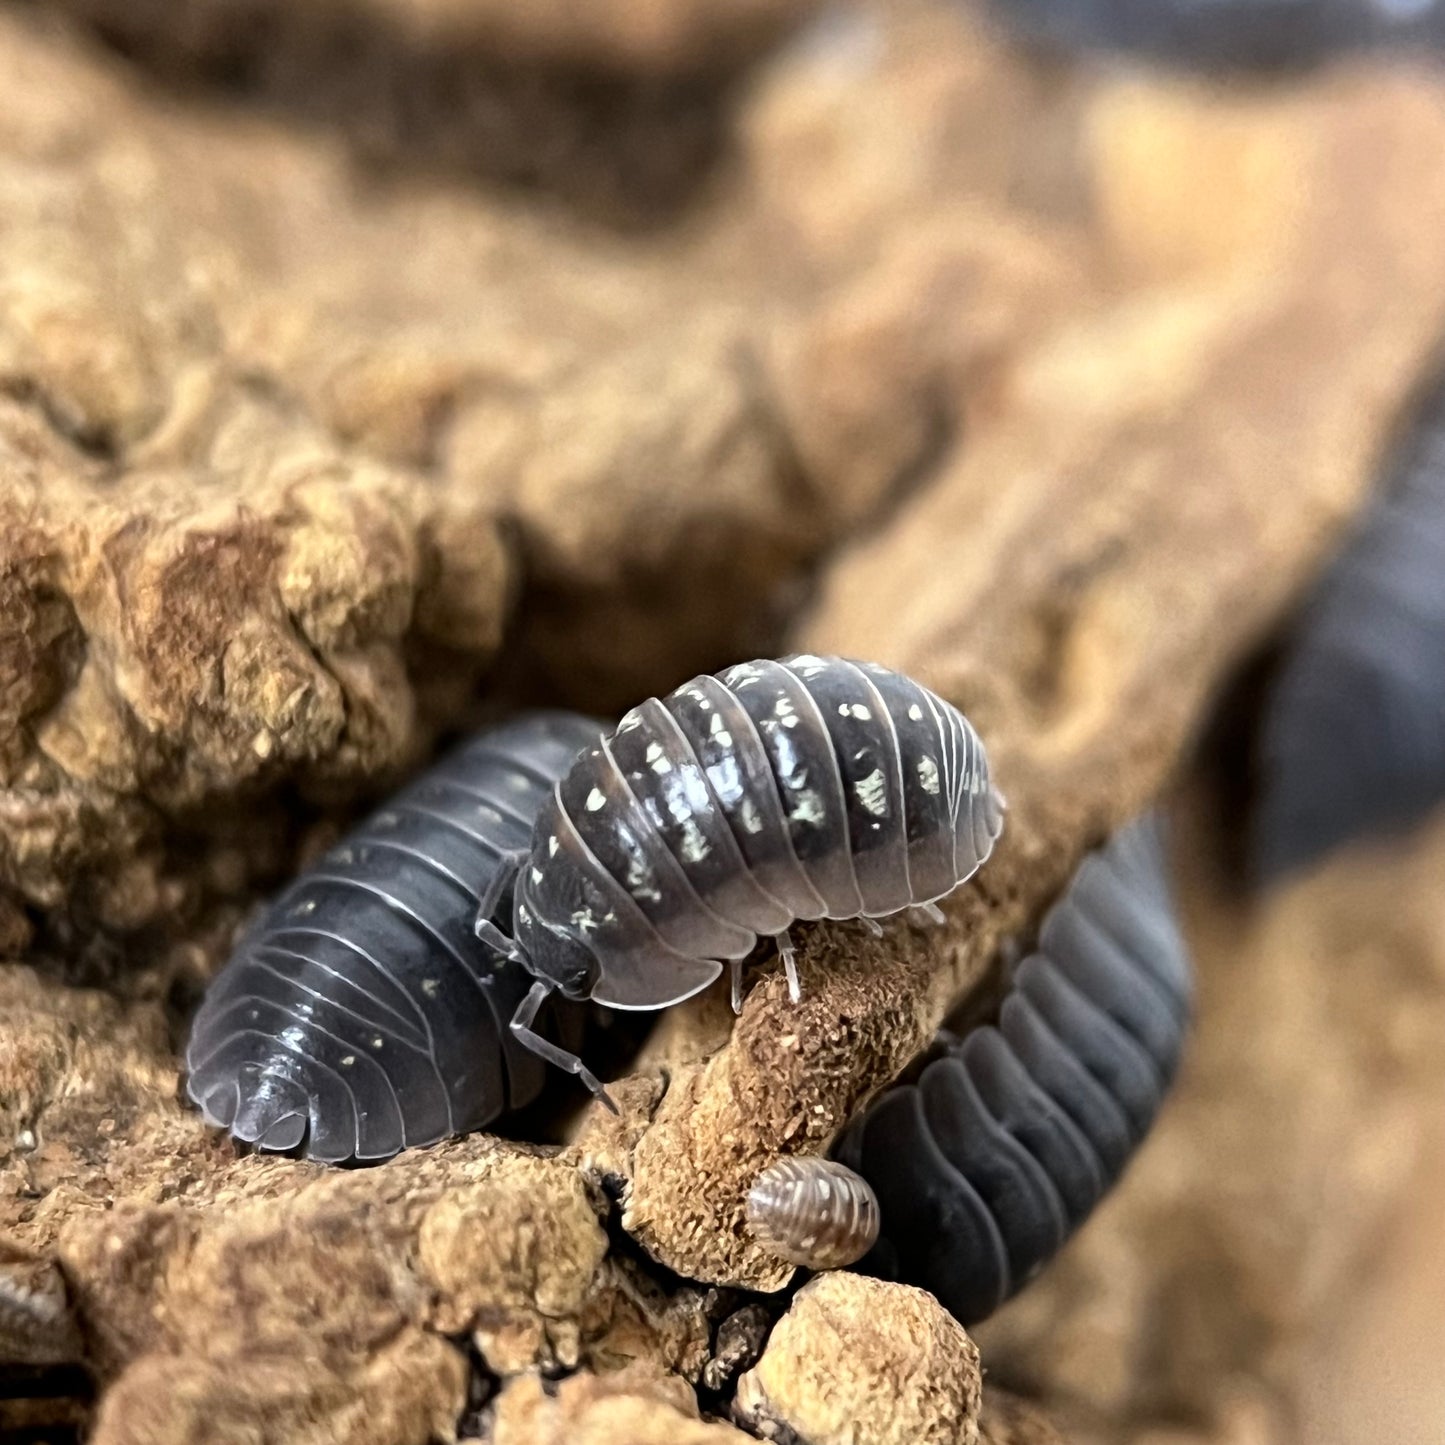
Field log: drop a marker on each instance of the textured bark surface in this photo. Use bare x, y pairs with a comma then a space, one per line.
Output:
857, 1359
310, 452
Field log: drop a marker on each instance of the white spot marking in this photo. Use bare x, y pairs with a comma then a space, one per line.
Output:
694, 845
595, 800
809, 808
640, 882
536, 875
916, 713
928, 775
854, 709
748, 814
429, 987
552, 846
872, 792
347, 1062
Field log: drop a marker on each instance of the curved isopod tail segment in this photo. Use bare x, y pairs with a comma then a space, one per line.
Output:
988, 1163
775, 791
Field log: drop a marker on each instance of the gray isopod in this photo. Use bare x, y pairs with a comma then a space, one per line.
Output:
360, 1015
808, 788
1353, 734
1219, 35
989, 1162
813, 1212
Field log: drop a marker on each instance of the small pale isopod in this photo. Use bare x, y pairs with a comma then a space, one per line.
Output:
360, 1015
986, 1165
813, 1212
808, 788
1352, 740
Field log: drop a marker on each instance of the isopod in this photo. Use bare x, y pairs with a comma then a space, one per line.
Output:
989, 1162
360, 1015
808, 788
813, 1212
1255, 35
1352, 738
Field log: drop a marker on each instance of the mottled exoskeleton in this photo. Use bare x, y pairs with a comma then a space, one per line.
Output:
1353, 730
990, 1161
360, 1015
813, 1212
808, 788
1230, 34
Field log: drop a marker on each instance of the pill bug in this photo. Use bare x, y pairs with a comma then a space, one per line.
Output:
813, 1212
1352, 734
999, 1151
812, 787
360, 1015
1214, 35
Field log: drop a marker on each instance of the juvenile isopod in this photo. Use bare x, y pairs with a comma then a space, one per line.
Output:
808, 788
1352, 739
986, 1165
813, 1212
360, 1015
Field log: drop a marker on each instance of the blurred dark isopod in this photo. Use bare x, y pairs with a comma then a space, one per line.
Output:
1212, 35
988, 1163
1352, 738
814, 787
360, 1015
813, 1212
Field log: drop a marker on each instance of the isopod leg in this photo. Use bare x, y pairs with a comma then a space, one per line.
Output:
486, 927
931, 911
525, 1035
789, 955
736, 975
873, 926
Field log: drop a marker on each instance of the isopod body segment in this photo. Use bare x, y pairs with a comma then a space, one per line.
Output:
988, 1163
360, 1014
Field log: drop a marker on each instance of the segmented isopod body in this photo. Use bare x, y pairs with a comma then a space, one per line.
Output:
813, 1212
808, 788
1230, 34
360, 1015
1353, 732
986, 1165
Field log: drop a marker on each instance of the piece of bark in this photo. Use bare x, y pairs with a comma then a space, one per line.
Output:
857, 1359
277, 457
636, 1405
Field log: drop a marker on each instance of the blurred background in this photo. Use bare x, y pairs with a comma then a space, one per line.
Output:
368, 367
